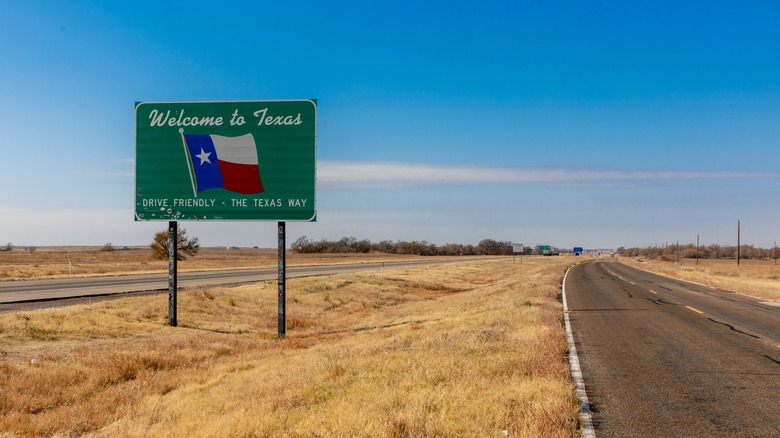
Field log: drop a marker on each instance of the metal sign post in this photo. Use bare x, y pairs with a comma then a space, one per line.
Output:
172, 255
282, 275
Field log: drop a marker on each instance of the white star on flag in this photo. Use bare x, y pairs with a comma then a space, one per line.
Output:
204, 157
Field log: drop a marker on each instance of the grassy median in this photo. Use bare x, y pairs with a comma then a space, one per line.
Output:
464, 349
53, 262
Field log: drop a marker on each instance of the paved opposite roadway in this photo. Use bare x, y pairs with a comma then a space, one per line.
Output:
665, 358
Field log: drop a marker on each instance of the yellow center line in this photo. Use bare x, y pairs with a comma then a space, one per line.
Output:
695, 309
652, 291
632, 283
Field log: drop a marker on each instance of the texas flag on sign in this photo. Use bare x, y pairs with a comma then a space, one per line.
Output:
220, 162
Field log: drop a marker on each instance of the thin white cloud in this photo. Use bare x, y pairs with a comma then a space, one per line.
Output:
70, 226
394, 173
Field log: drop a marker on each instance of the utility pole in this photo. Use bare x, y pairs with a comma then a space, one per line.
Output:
677, 252
697, 249
737, 242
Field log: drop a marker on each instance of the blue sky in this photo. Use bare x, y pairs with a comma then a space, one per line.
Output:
596, 124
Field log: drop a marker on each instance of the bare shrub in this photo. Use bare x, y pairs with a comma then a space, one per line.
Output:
184, 246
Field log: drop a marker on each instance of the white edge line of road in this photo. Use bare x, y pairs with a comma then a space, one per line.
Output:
586, 421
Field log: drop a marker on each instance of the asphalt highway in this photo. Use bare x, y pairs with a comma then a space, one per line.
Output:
40, 290
665, 358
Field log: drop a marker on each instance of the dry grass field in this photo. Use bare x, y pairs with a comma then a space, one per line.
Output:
466, 349
758, 278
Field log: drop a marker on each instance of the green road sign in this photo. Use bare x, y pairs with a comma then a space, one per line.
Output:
243, 160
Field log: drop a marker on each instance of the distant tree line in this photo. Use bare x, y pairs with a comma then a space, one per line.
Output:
352, 245
690, 251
